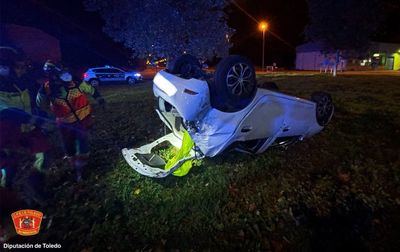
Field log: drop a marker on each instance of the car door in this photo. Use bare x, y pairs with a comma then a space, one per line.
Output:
102, 74
118, 74
112, 74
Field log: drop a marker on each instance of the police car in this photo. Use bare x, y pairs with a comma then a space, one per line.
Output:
97, 75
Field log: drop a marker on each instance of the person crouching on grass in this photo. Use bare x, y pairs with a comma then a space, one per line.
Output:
70, 105
21, 130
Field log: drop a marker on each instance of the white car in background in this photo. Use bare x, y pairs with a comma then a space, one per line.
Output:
97, 75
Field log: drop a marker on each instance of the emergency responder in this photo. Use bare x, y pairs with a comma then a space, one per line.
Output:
70, 105
19, 131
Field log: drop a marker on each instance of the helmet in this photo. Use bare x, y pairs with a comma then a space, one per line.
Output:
8, 53
57, 72
50, 67
8, 56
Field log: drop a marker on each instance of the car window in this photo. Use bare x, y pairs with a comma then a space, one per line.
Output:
118, 70
107, 70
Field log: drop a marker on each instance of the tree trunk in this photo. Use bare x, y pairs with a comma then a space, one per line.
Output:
336, 63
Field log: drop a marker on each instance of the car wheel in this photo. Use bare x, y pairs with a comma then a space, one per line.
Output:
94, 82
187, 66
324, 109
131, 81
234, 85
270, 85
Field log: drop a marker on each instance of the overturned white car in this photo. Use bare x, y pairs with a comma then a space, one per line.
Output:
225, 110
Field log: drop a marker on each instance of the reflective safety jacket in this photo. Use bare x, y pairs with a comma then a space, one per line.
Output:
69, 103
13, 96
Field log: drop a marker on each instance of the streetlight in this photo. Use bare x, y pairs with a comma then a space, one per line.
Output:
263, 26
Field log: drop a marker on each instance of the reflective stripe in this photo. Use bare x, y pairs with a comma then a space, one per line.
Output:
3, 180
71, 118
83, 112
19, 99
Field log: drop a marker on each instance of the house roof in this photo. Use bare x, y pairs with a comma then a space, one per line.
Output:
374, 46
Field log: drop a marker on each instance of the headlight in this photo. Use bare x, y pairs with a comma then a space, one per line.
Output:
137, 74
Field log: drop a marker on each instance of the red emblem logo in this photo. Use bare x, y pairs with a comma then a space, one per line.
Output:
27, 222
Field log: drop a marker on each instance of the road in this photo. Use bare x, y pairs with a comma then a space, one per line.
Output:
149, 73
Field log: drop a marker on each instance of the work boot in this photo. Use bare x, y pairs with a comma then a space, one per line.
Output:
33, 189
78, 173
7, 175
40, 159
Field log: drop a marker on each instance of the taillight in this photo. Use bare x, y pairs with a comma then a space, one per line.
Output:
85, 75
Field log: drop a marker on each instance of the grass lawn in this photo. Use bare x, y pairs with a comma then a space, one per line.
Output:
338, 190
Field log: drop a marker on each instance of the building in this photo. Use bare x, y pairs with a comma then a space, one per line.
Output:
387, 55
81, 41
383, 56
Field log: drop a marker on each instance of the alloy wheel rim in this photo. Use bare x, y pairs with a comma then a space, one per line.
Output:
239, 79
325, 107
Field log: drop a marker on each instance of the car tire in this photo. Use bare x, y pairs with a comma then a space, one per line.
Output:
94, 82
187, 66
325, 107
131, 81
234, 85
270, 85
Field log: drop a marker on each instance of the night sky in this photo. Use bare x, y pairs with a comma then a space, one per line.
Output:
287, 20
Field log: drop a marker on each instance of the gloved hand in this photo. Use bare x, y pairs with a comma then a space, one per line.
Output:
27, 127
48, 126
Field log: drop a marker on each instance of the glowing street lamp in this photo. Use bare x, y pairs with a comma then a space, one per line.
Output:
263, 26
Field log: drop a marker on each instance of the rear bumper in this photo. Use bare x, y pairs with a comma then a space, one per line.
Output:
136, 158
190, 97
